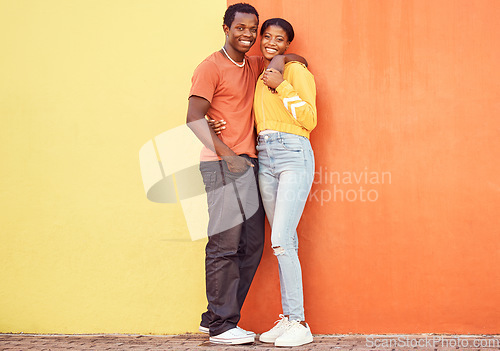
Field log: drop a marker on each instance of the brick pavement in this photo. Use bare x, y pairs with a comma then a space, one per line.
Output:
200, 342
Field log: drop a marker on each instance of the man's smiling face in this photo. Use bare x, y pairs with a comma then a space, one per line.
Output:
243, 32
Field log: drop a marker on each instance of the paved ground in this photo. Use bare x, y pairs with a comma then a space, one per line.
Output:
200, 342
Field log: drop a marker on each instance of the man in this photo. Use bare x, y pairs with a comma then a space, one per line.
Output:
223, 88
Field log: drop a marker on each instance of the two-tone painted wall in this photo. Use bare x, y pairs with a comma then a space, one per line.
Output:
401, 231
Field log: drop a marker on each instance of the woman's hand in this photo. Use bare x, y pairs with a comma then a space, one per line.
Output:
217, 126
272, 78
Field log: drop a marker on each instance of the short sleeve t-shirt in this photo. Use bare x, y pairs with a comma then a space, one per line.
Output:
230, 91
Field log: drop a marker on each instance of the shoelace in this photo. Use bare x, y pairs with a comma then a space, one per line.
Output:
293, 325
283, 319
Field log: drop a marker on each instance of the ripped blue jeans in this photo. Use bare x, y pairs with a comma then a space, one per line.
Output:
286, 172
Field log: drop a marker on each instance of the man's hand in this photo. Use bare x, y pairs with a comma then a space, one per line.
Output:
272, 78
237, 164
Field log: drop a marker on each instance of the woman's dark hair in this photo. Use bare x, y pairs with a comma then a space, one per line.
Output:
241, 8
280, 22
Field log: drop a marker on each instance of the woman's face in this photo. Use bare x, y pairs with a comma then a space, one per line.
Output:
274, 42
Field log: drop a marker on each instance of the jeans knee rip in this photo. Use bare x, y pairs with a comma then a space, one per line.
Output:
278, 250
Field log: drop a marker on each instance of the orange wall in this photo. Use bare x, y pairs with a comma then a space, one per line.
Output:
409, 88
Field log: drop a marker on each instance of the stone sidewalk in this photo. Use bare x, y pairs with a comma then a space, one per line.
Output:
200, 342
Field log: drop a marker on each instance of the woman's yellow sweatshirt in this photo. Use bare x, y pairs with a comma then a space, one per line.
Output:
293, 108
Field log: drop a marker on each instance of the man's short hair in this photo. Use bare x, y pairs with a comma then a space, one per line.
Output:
239, 7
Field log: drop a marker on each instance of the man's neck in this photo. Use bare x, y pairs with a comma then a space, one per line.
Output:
235, 55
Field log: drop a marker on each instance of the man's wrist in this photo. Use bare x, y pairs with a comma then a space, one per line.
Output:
227, 154
278, 63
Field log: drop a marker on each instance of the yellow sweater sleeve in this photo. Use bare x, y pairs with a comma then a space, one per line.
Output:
298, 93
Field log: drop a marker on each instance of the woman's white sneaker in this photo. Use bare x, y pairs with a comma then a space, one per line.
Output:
276, 331
295, 335
234, 336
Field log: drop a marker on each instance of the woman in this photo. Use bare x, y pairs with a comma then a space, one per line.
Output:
285, 114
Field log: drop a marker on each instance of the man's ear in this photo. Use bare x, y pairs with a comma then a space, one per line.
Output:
225, 28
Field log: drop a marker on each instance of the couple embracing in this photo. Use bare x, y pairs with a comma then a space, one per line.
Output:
257, 162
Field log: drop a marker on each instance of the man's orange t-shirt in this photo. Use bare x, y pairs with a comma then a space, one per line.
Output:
230, 91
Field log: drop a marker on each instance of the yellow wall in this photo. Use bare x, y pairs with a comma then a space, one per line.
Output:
83, 85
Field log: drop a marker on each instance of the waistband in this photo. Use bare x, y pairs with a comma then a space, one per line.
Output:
266, 137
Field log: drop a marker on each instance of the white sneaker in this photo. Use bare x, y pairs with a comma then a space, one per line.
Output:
276, 331
248, 332
233, 336
295, 335
205, 330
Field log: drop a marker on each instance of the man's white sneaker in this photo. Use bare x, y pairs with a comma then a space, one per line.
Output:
276, 331
248, 332
295, 335
233, 336
205, 330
